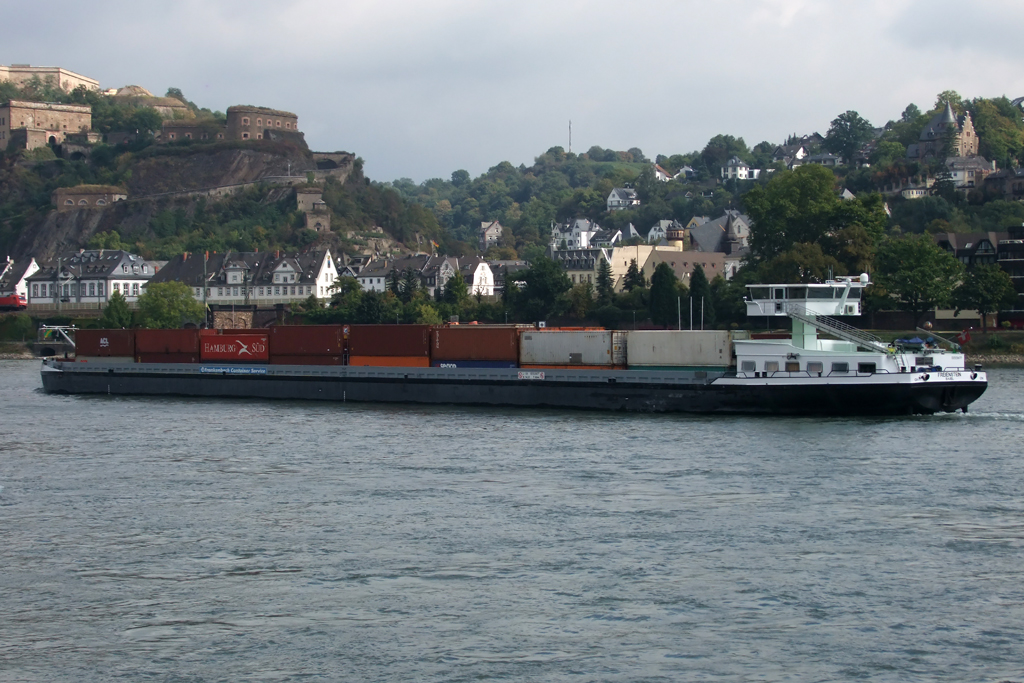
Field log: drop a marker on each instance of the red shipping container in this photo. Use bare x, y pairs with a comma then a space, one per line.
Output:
475, 343
389, 340
234, 346
167, 341
307, 360
306, 340
167, 358
390, 361
104, 343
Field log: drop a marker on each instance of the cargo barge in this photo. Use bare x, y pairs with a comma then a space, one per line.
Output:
646, 371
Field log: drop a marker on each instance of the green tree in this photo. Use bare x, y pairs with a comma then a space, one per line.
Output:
581, 299
804, 262
664, 296
455, 290
410, 284
916, 273
700, 294
169, 305
394, 282
634, 277
541, 295
605, 284
985, 288
116, 315
847, 134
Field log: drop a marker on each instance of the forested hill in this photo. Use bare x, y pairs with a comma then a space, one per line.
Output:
559, 185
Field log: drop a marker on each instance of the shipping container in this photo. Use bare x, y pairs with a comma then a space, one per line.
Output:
569, 348
564, 367
389, 340
229, 345
473, 364
390, 361
105, 360
167, 341
665, 349
306, 340
475, 343
167, 357
103, 343
307, 360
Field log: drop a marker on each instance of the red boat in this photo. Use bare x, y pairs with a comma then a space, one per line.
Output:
13, 302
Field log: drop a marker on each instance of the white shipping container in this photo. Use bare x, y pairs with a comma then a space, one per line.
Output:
684, 348
565, 348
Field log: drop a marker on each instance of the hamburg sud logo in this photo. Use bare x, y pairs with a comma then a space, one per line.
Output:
237, 348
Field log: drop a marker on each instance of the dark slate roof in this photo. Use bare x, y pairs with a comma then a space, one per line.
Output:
966, 244
11, 272
97, 263
710, 236
188, 268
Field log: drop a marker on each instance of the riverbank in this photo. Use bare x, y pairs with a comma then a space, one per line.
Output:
1008, 360
15, 351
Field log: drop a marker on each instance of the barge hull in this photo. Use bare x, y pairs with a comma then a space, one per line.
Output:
582, 389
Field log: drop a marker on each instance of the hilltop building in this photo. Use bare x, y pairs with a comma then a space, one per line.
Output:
943, 129
621, 198
29, 125
167, 107
244, 122
87, 197
23, 74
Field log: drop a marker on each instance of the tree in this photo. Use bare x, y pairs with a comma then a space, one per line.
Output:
541, 296
455, 289
394, 283
605, 284
169, 305
581, 299
664, 296
700, 295
916, 274
802, 263
986, 288
847, 134
634, 277
117, 314
410, 284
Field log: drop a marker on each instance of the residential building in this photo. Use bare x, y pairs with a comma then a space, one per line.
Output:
660, 230
972, 248
477, 275
88, 278
1008, 183
87, 197
490, 234
24, 74
824, 159
434, 271
253, 278
575, 234
915, 192
737, 169
969, 172
790, 155
505, 269
581, 264
29, 125
621, 198
14, 276
1010, 257
661, 174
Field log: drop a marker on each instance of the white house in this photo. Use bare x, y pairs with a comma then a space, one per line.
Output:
90, 277
253, 278
621, 198
576, 234
478, 276
14, 276
740, 170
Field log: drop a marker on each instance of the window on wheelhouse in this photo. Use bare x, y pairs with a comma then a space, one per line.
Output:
792, 366
771, 366
840, 367
815, 366
748, 366
868, 368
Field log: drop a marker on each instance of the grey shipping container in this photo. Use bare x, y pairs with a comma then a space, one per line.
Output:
682, 349
569, 347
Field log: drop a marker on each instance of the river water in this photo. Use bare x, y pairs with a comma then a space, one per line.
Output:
201, 540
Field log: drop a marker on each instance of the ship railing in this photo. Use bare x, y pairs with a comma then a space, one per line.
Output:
837, 328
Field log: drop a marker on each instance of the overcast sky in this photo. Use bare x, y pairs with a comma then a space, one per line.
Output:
420, 88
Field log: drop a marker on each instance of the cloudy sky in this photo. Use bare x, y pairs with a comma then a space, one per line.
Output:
420, 88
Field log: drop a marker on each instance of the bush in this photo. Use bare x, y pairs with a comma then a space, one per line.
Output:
995, 342
17, 327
